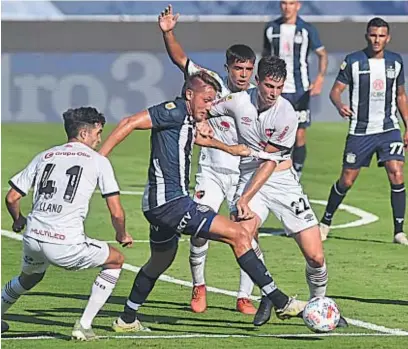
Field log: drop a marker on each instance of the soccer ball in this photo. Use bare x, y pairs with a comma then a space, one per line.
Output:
321, 314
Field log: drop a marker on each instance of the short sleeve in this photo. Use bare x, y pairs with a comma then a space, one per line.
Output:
225, 106
401, 76
166, 115
344, 74
106, 181
23, 181
315, 42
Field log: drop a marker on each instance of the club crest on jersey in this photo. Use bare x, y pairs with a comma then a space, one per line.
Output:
269, 132
351, 158
199, 194
390, 72
170, 106
343, 65
298, 38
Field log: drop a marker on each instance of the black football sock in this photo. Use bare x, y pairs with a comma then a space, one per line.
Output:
299, 157
398, 203
337, 194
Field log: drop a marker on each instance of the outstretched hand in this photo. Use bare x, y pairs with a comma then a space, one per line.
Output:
167, 21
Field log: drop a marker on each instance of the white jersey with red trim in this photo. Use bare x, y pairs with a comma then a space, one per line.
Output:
224, 129
64, 179
276, 125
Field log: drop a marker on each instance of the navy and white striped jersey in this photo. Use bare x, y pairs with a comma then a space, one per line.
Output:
373, 86
171, 141
292, 43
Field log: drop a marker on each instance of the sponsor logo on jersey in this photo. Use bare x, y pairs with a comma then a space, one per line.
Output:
48, 155
199, 194
170, 106
351, 158
224, 99
378, 84
223, 126
203, 208
343, 65
246, 120
283, 134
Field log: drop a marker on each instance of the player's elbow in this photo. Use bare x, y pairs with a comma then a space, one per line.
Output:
12, 197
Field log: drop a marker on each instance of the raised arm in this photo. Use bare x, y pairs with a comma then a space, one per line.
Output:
167, 22
139, 121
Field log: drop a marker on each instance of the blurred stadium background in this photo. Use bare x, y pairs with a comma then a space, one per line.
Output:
110, 54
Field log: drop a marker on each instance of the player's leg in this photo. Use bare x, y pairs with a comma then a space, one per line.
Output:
299, 151
163, 250
391, 154
34, 266
246, 285
208, 191
357, 153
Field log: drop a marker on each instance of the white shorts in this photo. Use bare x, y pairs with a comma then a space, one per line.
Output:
215, 185
38, 255
282, 195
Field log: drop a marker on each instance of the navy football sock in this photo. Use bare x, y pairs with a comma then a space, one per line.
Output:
337, 194
398, 203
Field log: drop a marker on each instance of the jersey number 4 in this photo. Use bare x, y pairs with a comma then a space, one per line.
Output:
47, 187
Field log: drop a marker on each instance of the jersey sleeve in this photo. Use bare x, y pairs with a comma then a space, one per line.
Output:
315, 42
23, 181
225, 106
165, 115
345, 74
106, 181
284, 135
401, 76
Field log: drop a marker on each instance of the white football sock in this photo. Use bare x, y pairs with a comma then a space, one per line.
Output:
198, 256
11, 293
246, 285
317, 280
101, 290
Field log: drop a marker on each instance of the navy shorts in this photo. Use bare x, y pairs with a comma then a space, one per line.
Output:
180, 216
360, 149
300, 102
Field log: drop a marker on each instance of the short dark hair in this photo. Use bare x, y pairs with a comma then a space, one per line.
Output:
191, 82
378, 22
239, 53
76, 119
272, 66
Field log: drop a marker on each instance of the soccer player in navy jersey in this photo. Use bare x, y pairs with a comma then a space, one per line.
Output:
291, 38
375, 77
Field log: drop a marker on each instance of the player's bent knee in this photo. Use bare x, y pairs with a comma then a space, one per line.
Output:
115, 259
197, 241
28, 281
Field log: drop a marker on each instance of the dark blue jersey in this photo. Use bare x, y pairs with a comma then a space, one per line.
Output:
373, 84
171, 142
292, 43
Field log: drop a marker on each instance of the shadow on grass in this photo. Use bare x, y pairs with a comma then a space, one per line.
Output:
372, 300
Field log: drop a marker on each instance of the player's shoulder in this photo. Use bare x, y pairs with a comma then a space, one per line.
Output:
287, 108
175, 108
300, 22
393, 56
356, 56
274, 23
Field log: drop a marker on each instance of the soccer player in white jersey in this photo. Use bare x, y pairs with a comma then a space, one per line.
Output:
375, 77
291, 38
267, 122
218, 171
64, 179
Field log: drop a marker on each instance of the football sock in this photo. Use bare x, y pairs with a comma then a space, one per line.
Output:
198, 256
102, 288
299, 157
253, 266
398, 203
11, 293
317, 280
337, 194
246, 285
142, 286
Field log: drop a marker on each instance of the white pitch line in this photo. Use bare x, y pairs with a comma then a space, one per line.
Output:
198, 335
170, 279
365, 217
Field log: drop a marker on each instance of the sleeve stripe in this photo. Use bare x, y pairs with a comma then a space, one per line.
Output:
110, 194
17, 189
